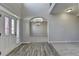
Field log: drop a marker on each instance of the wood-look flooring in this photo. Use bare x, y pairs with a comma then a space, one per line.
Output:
34, 49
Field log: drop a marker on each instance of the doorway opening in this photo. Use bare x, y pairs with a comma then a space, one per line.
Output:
39, 29
35, 30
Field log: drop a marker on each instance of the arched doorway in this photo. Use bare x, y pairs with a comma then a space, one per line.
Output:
39, 29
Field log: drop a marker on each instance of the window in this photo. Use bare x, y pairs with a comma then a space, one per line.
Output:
12, 26
6, 25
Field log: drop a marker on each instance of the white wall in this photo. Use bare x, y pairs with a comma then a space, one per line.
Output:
64, 30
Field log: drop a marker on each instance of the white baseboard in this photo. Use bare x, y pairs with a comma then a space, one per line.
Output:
25, 42
63, 41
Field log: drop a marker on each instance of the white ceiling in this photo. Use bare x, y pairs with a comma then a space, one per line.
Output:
35, 9
61, 7
40, 9
27, 9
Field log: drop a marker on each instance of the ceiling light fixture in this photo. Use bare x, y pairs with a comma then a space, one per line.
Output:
68, 10
37, 20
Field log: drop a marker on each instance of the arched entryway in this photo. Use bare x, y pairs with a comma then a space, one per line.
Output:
39, 29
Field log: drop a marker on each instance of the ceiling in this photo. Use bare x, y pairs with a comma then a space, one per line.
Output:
13, 7
62, 7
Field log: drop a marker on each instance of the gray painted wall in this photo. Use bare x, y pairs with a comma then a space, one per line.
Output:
64, 29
